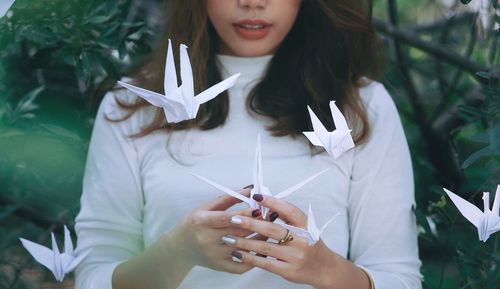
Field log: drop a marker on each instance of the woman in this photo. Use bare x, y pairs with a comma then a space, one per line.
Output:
152, 225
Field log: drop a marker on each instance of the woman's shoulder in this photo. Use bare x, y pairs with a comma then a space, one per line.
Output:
113, 109
377, 100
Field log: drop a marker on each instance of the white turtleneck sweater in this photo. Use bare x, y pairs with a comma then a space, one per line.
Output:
134, 191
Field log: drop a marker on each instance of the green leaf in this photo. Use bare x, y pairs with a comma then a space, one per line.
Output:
109, 66
97, 19
8, 210
484, 74
491, 134
484, 152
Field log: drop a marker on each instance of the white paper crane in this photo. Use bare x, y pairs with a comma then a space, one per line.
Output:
313, 233
482, 7
259, 187
5, 6
180, 103
335, 142
59, 263
487, 222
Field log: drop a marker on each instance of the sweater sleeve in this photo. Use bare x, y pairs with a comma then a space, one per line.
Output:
383, 235
110, 218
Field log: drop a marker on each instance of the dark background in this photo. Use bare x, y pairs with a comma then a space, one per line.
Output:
59, 57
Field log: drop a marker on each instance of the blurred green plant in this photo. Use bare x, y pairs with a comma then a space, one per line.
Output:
59, 57
445, 77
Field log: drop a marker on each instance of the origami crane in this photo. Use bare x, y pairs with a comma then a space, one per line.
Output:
59, 263
5, 6
335, 142
313, 233
259, 187
482, 7
180, 103
487, 222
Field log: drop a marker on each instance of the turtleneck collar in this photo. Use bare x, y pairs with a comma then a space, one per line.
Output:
251, 68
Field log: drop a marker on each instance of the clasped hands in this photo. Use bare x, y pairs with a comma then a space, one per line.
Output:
214, 237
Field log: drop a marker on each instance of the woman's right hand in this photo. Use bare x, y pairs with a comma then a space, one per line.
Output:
197, 239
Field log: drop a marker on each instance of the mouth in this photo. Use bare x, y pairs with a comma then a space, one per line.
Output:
252, 29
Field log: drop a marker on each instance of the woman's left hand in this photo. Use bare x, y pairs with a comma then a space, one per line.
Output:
296, 261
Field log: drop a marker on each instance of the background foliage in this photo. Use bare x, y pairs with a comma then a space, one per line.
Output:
59, 57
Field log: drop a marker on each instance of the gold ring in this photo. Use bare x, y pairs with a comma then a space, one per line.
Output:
288, 237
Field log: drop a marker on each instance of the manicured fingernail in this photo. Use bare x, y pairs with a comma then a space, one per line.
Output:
228, 240
256, 213
248, 187
258, 197
273, 216
236, 256
236, 220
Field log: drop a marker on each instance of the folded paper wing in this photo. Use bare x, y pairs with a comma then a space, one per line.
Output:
216, 89
292, 189
180, 102
58, 263
249, 201
41, 254
313, 233
336, 142
258, 180
486, 222
5, 6
468, 210
173, 106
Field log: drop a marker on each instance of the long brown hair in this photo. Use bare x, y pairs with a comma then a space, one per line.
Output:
331, 47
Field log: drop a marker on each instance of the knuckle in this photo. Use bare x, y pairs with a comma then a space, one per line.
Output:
275, 231
292, 211
290, 274
199, 240
197, 218
242, 243
266, 248
300, 256
225, 219
247, 223
241, 269
269, 266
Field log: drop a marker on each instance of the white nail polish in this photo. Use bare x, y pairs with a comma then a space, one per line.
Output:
228, 240
236, 220
236, 259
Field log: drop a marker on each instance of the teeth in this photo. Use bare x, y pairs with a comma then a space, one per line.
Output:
248, 26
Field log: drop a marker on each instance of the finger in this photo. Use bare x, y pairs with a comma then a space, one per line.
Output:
222, 219
271, 230
273, 266
231, 266
220, 259
287, 212
233, 232
264, 248
223, 202
271, 218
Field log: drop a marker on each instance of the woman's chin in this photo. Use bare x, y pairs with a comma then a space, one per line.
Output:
249, 49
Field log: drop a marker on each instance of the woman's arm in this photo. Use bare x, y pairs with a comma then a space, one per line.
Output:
383, 238
162, 265
296, 261
381, 222
110, 220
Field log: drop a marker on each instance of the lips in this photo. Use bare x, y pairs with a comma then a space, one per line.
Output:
252, 29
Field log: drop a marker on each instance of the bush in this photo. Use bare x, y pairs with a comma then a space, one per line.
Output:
58, 58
